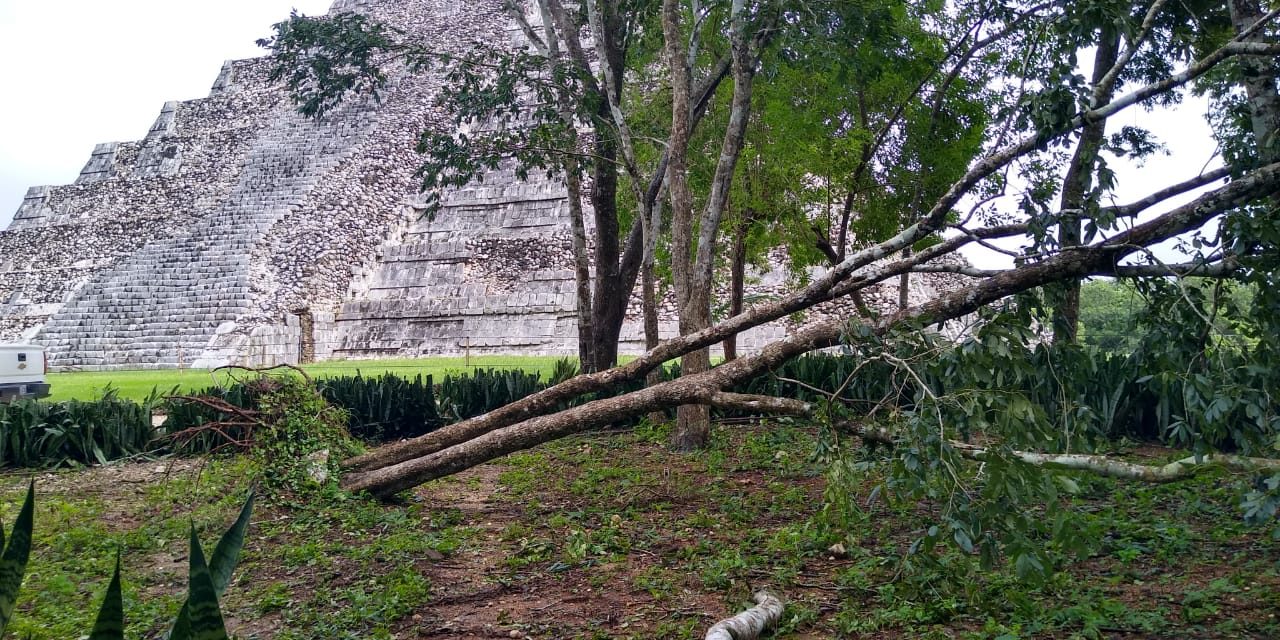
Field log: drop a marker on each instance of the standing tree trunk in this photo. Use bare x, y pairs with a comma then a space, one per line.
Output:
737, 275
1078, 183
552, 15
904, 285
581, 270
609, 286
651, 335
692, 421
652, 220
1259, 80
693, 263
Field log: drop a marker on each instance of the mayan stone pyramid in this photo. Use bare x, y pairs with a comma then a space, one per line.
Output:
236, 231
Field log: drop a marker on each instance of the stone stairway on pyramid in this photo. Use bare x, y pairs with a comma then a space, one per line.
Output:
239, 232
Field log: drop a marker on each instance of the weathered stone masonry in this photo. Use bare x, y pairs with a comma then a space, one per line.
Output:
237, 231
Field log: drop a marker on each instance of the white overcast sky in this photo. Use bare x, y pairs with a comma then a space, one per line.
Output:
1191, 150
78, 72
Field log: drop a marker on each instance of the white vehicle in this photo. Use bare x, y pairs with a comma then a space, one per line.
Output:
22, 371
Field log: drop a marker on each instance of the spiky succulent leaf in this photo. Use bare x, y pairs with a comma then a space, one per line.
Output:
110, 622
13, 564
202, 598
227, 553
224, 559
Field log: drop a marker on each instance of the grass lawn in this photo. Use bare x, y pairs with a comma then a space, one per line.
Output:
88, 385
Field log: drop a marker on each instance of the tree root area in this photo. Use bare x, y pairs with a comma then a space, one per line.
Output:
611, 535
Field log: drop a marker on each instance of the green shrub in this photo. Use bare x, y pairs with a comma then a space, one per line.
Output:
296, 438
301, 439
379, 409
564, 369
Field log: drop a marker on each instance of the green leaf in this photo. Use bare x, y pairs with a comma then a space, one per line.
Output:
181, 627
227, 553
110, 622
13, 564
202, 599
962, 539
1029, 566
224, 559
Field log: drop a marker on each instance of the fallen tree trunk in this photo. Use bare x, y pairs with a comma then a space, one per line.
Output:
749, 624
385, 472
840, 280
1111, 468
1098, 465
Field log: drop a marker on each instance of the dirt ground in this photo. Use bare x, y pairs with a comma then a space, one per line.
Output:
613, 536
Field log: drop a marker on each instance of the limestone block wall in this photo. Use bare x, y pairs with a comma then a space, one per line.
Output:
489, 273
272, 344
312, 255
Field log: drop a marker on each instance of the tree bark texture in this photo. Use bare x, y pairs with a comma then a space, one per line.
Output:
693, 423
554, 23
1079, 182
608, 277
1259, 80
737, 280
581, 270
904, 285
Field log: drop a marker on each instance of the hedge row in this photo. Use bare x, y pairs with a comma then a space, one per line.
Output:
41, 434
1119, 399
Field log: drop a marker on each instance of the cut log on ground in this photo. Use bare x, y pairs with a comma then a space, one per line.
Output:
749, 624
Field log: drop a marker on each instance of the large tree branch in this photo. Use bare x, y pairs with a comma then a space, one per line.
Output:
1104, 87
1224, 269
451, 449
633, 251
744, 64
516, 12
1138, 206
1112, 468
492, 429
569, 33
760, 404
